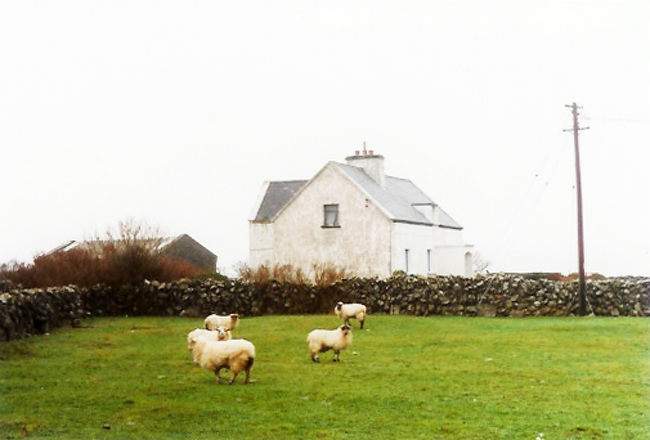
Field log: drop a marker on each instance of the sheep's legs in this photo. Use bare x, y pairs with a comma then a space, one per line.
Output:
217, 376
234, 376
248, 375
362, 324
314, 358
336, 356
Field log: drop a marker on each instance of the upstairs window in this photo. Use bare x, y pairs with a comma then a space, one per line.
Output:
331, 216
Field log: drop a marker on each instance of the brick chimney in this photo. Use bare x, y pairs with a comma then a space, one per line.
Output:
371, 163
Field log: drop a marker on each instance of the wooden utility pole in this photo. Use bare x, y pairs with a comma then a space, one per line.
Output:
581, 251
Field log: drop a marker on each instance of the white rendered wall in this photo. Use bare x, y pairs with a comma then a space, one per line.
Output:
361, 243
447, 236
453, 260
260, 244
417, 239
447, 251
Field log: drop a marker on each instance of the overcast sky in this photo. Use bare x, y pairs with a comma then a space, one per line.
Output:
175, 112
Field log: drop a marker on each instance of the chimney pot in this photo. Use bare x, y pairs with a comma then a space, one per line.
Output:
356, 152
371, 153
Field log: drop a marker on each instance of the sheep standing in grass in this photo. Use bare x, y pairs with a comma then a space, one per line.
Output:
220, 334
320, 341
212, 322
236, 355
347, 311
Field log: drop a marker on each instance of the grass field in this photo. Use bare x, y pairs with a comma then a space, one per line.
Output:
403, 378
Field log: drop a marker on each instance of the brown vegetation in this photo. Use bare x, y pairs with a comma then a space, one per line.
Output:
556, 276
324, 274
127, 258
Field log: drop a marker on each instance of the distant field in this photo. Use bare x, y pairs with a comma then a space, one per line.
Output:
403, 378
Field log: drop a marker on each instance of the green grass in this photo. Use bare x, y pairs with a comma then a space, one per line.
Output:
403, 377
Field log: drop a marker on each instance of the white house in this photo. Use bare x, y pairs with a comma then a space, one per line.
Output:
354, 216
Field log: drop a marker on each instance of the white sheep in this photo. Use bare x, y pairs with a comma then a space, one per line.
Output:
320, 341
236, 355
212, 322
347, 311
221, 334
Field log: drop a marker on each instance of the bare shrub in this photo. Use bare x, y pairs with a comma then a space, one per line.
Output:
289, 274
260, 274
323, 274
130, 234
479, 264
326, 274
278, 272
592, 276
128, 257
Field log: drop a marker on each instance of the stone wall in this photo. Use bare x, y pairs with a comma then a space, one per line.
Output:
25, 312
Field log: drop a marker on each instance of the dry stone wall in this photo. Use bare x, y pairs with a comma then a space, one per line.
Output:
25, 312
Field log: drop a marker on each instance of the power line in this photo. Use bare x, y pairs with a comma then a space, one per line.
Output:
641, 121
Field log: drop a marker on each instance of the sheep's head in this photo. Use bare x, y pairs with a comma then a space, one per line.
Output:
338, 305
345, 329
233, 318
197, 344
222, 333
191, 342
191, 339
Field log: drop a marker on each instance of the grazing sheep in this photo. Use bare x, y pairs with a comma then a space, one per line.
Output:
322, 340
221, 334
228, 321
347, 311
236, 355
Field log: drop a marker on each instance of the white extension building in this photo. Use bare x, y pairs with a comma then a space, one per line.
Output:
354, 216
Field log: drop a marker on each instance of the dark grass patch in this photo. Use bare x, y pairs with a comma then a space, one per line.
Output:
17, 350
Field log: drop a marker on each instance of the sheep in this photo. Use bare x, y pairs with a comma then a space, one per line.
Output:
354, 310
236, 355
228, 321
221, 334
322, 340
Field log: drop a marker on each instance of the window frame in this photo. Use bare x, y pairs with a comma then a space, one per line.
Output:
327, 209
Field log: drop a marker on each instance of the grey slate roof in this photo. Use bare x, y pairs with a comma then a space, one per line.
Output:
396, 198
446, 221
277, 195
392, 198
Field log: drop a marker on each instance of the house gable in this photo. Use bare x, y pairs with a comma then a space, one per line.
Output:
361, 240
